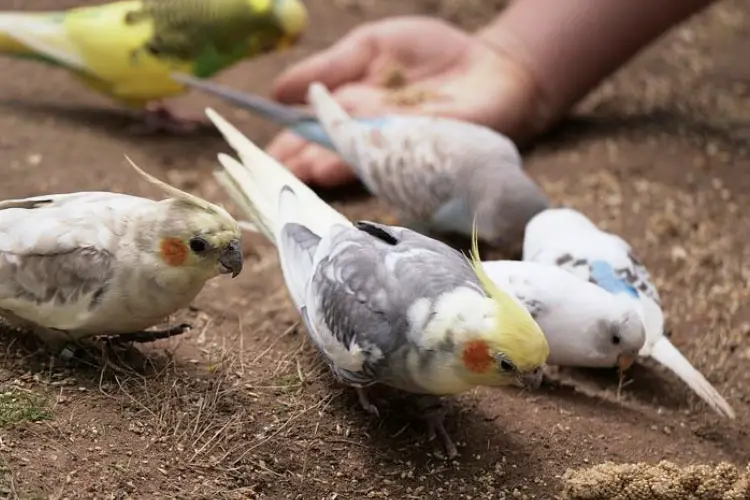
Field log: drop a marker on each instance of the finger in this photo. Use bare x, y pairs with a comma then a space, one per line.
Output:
321, 167
345, 61
285, 145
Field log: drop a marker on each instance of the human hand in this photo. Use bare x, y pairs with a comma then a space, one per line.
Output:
456, 73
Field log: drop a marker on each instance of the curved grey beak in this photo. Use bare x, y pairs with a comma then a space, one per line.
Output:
231, 258
533, 379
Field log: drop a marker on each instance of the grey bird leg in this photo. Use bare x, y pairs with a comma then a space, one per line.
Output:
149, 336
364, 401
434, 413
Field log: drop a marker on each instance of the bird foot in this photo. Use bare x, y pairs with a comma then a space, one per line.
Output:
364, 401
434, 413
159, 119
149, 336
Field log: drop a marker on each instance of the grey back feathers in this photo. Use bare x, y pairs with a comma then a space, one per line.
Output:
366, 283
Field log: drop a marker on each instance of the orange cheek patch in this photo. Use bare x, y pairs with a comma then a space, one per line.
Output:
173, 251
476, 356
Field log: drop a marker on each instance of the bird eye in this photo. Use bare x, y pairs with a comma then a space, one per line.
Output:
507, 366
198, 245
616, 339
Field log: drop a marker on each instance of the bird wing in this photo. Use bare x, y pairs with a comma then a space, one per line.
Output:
363, 288
56, 258
577, 245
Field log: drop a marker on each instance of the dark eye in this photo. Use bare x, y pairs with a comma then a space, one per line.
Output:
198, 245
507, 366
616, 339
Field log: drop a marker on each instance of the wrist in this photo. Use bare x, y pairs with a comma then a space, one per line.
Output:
540, 112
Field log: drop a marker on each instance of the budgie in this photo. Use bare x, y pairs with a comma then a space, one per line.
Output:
384, 304
585, 325
128, 49
79, 265
565, 237
440, 174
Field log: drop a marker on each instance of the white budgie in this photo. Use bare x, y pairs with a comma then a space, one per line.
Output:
565, 237
585, 325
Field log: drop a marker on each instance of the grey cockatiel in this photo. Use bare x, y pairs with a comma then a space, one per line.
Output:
437, 172
384, 304
96, 263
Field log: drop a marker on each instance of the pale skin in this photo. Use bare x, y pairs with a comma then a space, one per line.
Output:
513, 75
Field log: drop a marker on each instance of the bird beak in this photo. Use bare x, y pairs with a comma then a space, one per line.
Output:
532, 380
625, 361
231, 258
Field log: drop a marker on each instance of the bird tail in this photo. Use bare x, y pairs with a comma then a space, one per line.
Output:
329, 112
668, 355
278, 113
257, 183
41, 36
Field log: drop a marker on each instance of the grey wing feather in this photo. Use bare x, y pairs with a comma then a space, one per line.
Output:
367, 283
55, 291
297, 246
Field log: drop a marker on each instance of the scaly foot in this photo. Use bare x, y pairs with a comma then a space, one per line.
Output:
433, 411
364, 401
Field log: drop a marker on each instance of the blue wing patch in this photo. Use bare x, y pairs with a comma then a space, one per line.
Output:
605, 276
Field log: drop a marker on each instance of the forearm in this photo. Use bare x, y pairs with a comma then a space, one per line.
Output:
569, 46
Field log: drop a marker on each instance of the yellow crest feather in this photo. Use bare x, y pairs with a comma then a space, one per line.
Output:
521, 336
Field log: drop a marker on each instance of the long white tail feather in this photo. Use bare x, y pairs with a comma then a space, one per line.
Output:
259, 180
44, 35
248, 195
668, 355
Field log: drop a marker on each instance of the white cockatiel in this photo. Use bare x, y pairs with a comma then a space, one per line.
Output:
565, 237
384, 304
438, 173
89, 264
585, 325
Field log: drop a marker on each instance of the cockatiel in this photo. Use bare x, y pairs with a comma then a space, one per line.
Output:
87, 264
438, 173
384, 304
128, 49
585, 325
565, 237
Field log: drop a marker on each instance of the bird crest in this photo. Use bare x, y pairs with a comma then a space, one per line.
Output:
518, 326
178, 194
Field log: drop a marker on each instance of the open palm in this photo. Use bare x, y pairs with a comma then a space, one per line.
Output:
456, 74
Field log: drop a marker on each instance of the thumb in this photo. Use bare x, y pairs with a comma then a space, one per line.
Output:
345, 61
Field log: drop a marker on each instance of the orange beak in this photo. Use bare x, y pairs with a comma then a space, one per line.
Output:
625, 361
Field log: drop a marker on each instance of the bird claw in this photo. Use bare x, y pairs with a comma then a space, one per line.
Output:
435, 427
159, 119
435, 417
365, 403
149, 336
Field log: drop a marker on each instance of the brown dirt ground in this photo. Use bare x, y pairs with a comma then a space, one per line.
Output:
241, 407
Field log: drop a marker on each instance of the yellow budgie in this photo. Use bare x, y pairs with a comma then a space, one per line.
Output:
129, 49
